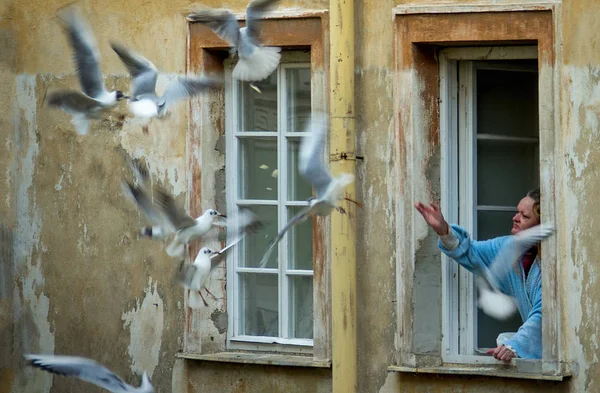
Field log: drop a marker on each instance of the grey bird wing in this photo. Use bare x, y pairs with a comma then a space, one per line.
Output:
138, 166
85, 48
514, 248
221, 21
302, 214
188, 87
254, 12
174, 213
311, 164
244, 222
71, 101
143, 72
217, 258
144, 202
185, 274
85, 369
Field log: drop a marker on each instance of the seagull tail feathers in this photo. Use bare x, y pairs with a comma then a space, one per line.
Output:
259, 65
175, 249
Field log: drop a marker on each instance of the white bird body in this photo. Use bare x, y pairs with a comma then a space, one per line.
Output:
255, 62
94, 99
202, 266
496, 304
144, 101
201, 226
311, 165
87, 370
492, 300
144, 108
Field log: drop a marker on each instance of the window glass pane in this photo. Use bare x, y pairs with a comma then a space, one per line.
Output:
300, 247
298, 98
505, 172
253, 247
493, 224
259, 304
507, 102
301, 307
258, 168
489, 328
298, 188
258, 111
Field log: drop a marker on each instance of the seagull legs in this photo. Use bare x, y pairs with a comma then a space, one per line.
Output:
355, 202
207, 291
203, 299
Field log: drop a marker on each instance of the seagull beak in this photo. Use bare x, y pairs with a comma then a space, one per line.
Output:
222, 215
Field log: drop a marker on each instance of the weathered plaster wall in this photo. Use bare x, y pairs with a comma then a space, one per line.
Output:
580, 147
238, 378
84, 284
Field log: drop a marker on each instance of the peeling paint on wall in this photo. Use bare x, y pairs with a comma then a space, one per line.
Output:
30, 304
145, 322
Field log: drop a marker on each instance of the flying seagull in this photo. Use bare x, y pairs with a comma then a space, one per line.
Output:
87, 370
491, 300
193, 276
139, 190
168, 217
330, 190
144, 102
94, 99
256, 62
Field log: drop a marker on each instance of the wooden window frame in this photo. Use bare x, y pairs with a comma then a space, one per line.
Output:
206, 54
420, 33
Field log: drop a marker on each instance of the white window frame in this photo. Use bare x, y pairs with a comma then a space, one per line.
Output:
457, 296
235, 340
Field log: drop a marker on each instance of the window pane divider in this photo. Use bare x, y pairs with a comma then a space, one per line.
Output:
506, 138
496, 208
256, 202
256, 134
257, 270
299, 272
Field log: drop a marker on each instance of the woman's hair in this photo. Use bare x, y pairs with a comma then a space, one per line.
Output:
535, 195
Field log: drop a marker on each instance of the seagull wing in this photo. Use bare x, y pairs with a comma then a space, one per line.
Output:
221, 21
71, 101
144, 202
185, 274
174, 213
255, 11
85, 48
302, 214
143, 72
189, 87
514, 248
218, 257
85, 369
311, 163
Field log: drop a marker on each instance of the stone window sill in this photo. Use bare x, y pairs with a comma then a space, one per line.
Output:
502, 371
255, 358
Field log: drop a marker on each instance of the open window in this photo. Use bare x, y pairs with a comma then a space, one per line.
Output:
490, 158
457, 68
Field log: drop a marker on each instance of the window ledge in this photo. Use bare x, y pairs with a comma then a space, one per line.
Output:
254, 358
501, 371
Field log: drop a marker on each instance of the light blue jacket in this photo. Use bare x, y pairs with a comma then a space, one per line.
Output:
471, 254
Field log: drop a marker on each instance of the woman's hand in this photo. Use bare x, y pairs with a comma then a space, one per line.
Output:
433, 217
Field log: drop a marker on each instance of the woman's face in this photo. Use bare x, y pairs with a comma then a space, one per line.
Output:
524, 218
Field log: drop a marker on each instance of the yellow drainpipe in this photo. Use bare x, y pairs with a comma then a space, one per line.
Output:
342, 159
